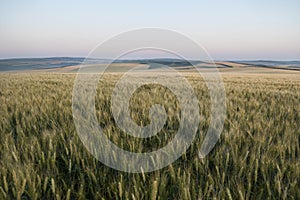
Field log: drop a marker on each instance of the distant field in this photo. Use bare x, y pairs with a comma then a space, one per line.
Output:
71, 65
257, 156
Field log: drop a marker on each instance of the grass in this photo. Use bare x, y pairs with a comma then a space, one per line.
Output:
257, 156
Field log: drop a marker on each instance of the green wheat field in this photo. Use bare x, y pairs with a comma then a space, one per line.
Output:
257, 156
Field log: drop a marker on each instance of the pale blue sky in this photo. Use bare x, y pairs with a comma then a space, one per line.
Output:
253, 29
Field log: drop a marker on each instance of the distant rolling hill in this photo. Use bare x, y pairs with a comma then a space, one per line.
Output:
37, 63
71, 64
290, 65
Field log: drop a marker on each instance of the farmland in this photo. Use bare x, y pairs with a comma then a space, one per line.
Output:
257, 155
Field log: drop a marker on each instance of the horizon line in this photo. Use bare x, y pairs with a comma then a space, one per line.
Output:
142, 58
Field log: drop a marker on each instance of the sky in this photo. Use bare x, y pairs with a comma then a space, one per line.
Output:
228, 30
